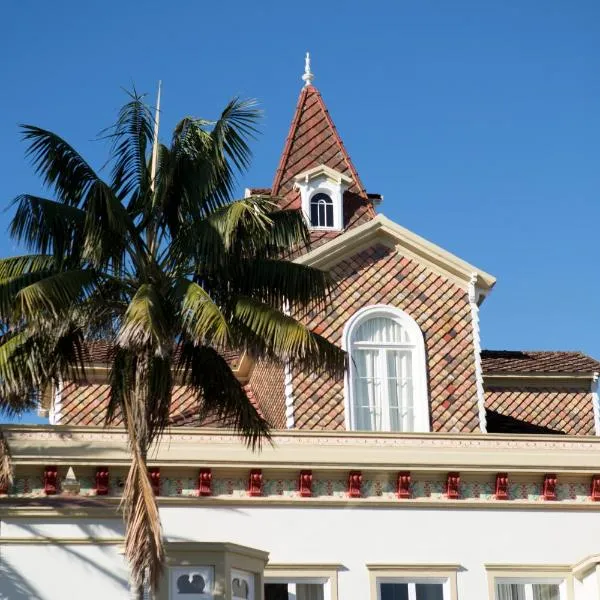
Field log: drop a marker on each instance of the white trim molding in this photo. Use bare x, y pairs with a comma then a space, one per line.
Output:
595, 401
419, 367
55, 412
409, 244
288, 388
474, 306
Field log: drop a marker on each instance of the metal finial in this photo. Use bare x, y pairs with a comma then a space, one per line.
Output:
308, 75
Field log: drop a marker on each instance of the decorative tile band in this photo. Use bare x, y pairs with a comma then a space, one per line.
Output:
388, 487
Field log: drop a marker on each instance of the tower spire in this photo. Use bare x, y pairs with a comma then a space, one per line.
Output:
308, 75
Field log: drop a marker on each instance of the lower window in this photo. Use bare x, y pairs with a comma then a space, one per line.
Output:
520, 589
295, 591
414, 589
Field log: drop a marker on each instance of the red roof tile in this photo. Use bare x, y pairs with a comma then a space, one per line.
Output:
525, 361
312, 140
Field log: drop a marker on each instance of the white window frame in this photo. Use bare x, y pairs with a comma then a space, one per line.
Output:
419, 369
323, 180
292, 582
529, 582
292, 575
412, 581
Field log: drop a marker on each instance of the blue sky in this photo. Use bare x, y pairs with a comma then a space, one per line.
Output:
478, 121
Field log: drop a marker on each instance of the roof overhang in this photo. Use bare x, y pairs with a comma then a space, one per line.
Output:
407, 243
539, 380
323, 171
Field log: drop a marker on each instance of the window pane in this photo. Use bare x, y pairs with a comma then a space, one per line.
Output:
394, 591
303, 591
314, 214
400, 387
430, 591
329, 215
367, 388
510, 591
276, 591
546, 591
310, 591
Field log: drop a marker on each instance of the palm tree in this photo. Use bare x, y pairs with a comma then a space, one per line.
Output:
171, 272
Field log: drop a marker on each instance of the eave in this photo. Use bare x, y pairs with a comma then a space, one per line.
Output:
337, 451
407, 243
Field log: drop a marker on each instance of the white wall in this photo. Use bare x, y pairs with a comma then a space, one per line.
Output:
352, 537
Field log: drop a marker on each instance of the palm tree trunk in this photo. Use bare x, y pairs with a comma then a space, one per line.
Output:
143, 536
6, 466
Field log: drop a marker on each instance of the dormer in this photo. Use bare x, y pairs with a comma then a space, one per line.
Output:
322, 191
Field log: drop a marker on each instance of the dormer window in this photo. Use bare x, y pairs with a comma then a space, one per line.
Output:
322, 192
321, 211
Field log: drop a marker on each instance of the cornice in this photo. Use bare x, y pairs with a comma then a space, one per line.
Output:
294, 449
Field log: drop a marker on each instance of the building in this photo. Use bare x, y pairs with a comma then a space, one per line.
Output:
433, 471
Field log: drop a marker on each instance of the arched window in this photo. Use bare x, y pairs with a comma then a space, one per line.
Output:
386, 385
321, 211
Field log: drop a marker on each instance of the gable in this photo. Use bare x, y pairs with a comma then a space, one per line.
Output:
378, 275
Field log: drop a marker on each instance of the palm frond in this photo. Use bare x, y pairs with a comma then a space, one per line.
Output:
55, 295
204, 162
278, 282
269, 333
243, 222
46, 226
288, 233
28, 362
202, 319
106, 227
15, 266
220, 395
131, 136
16, 274
145, 322
58, 164
236, 125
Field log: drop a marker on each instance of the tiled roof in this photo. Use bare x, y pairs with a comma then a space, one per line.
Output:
100, 351
524, 361
539, 410
313, 140
86, 404
259, 191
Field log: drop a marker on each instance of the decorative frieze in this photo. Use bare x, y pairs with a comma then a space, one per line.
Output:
313, 485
